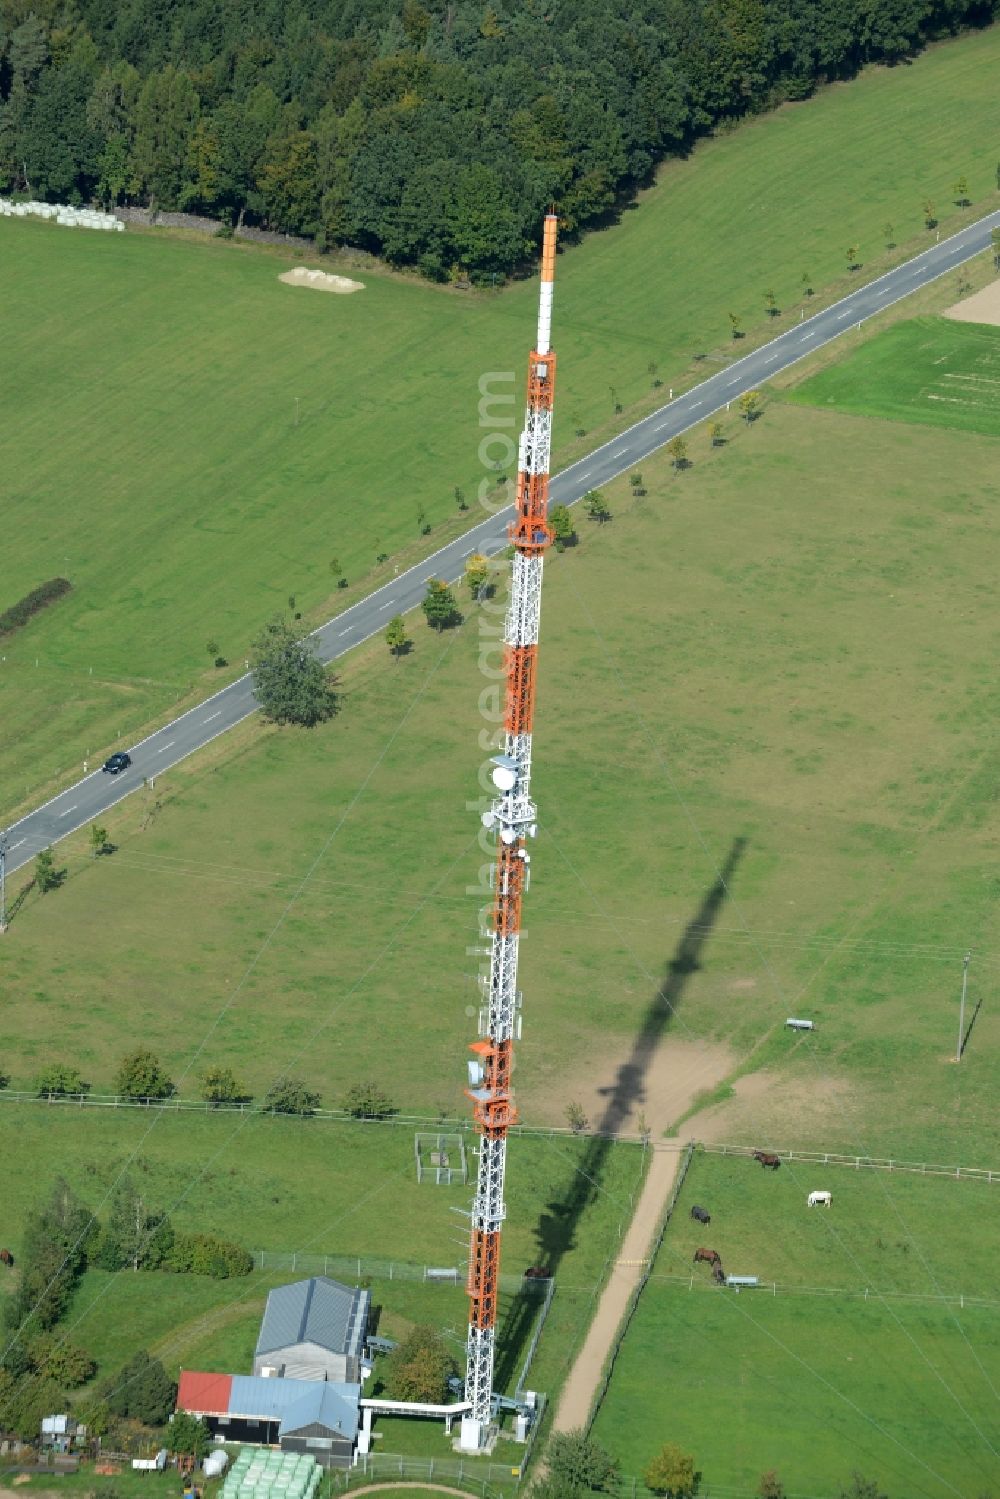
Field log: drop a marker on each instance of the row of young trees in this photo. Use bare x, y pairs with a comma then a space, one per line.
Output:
434, 132
142, 1076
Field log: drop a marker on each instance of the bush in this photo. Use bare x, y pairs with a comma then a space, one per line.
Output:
367, 1101
578, 1463
288, 1096
201, 1254
188, 1434
54, 1358
221, 1085
39, 598
141, 1076
60, 1080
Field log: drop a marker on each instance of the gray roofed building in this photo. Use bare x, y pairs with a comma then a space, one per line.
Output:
314, 1329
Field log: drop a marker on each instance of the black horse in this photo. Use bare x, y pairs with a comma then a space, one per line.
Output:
700, 1215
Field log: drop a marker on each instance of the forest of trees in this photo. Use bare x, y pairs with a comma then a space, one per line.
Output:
435, 133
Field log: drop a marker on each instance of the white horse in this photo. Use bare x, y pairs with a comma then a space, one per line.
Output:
816, 1199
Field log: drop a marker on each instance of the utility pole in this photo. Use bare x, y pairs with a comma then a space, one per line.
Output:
3, 883
961, 1011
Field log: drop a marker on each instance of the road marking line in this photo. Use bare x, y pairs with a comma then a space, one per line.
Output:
346, 632
809, 335
661, 426
217, 714
842, 315
733, 382
386, 606
696, 403
68, 810
166, 746
770, 358
17, 844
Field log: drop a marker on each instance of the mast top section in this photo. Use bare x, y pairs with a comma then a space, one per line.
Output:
548, 276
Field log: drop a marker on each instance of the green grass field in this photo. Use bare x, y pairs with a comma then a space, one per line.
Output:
192, 442
928, 370
814, 1380
792, 643
312, 1188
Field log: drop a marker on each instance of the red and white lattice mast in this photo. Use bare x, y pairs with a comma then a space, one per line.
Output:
512, 815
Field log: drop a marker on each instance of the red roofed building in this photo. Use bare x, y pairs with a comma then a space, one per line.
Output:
207, 1394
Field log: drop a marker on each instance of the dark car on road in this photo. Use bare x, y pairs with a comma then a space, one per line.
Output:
117, 762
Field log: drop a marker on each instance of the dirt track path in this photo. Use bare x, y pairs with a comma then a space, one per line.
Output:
578, 1393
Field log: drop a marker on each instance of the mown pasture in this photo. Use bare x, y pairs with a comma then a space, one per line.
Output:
313, 1188
771, 646
847, 1358
193, 443
929, 370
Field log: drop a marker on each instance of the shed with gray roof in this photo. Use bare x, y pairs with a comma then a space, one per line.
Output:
313, 1329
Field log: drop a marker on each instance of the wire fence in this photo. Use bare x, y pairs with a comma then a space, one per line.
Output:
476, 1475
638, 1288
848, 1293
362, 1267
433, 1123
862, 1162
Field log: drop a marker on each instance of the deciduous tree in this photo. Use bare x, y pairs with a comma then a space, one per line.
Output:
672, 1473
290, 1096
289, 680
396, 637
221, 1085
141, 1075
59, 1080
439, 606
580, 1463
561, 522
419, 1367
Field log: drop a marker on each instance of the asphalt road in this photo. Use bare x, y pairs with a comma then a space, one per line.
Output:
93, 795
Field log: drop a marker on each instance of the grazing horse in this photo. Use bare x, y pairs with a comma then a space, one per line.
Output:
817, 1199
769, 1162
6, 1258
707, 1256
718, 1274
700, 1215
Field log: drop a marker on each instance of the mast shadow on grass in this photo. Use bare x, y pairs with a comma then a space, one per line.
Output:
555, 1233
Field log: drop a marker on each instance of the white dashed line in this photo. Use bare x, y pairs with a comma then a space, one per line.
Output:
346, 632
166, 746
696, 403
810, 335
387, 605
770, 358
17, 844
68, 811
842, 315
217, 714
661, 426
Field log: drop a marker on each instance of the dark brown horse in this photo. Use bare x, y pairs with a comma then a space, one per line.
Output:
769, 1162
537, 1272
6, 1258
707, 1257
